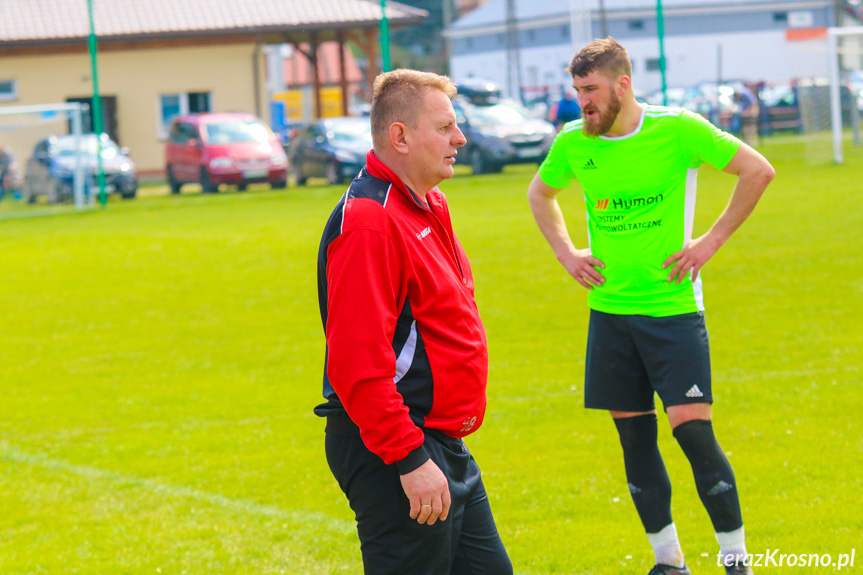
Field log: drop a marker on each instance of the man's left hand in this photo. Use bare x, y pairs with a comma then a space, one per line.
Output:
428, 491
690, 259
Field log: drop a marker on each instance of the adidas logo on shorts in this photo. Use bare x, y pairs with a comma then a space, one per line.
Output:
694, 392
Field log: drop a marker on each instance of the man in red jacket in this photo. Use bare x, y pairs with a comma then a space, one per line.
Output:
407, 358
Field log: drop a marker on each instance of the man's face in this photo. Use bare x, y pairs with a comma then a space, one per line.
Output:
433, 143
600, 104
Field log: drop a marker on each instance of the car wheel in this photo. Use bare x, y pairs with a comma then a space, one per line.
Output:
279, 185
29, 192
130, 195
206, 184
52, 192
65, 193
333, 173
477, 163
172, 181
298, 176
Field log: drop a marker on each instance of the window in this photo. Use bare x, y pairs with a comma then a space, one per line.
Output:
199, 102
652, 65
182, 133
8, 90
173, 105
636, 24
564, 31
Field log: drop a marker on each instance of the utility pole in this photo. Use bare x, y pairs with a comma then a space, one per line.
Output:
385, 38
448, 11
660, 31
513, 57
96, 110
603, 21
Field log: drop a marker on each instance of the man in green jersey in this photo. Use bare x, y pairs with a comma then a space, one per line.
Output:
637, 166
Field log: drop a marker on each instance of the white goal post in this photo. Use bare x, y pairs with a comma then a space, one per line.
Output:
75, 112
833, 35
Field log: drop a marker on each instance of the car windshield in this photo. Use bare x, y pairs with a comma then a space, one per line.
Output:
780, 95
350, 132
89, 147
232, 132
496, 114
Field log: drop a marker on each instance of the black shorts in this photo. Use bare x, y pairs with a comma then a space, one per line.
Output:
629, 357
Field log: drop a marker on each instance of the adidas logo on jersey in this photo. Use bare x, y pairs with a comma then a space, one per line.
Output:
694, 392
590, 165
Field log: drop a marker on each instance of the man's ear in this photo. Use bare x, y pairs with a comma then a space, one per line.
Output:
398, 137
623, 84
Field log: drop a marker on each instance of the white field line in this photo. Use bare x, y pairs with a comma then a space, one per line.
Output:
12, 454
188, 424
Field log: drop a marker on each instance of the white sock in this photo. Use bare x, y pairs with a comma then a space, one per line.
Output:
732, 543
666, 546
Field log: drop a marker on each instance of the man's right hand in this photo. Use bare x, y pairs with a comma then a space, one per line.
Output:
582, 266
428, 491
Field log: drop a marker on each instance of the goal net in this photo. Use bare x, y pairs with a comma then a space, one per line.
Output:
29, 174
845, 50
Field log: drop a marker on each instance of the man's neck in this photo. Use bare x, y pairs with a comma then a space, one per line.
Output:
628, 118
394, 161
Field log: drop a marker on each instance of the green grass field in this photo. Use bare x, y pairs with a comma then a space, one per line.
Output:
159, 361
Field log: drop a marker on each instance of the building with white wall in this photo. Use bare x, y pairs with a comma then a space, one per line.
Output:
705, 40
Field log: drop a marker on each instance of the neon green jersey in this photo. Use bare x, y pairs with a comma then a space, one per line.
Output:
640, 192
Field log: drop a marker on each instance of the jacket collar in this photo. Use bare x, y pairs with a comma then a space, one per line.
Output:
375, 167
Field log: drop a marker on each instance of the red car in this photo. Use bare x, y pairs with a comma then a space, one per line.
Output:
212, 149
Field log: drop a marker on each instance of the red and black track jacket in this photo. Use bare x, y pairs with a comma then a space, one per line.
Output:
406, 348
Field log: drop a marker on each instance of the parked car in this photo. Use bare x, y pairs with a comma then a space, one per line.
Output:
10, 175
502, 133
674, 95
213, 149
780, 108
478, 91
50, 171
332, 148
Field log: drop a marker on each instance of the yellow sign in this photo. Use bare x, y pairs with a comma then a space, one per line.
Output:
331, 102
293, 100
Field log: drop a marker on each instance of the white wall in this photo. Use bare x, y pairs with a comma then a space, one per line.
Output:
749, 56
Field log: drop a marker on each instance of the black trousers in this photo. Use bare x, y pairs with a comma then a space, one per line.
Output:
392, 543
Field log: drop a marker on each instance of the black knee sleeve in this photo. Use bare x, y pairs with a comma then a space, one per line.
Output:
645, 471
714, 477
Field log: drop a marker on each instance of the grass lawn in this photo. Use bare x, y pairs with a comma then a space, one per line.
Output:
160, 360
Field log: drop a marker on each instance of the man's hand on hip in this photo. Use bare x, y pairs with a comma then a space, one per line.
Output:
582, 266
428, 491
690, 259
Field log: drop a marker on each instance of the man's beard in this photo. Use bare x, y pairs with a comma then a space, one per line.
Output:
604, 119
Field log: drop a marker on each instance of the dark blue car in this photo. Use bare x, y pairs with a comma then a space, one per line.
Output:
51, 169
334, 149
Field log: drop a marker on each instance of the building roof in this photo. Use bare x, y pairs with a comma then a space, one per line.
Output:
297, 70
494, 12
37, 23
